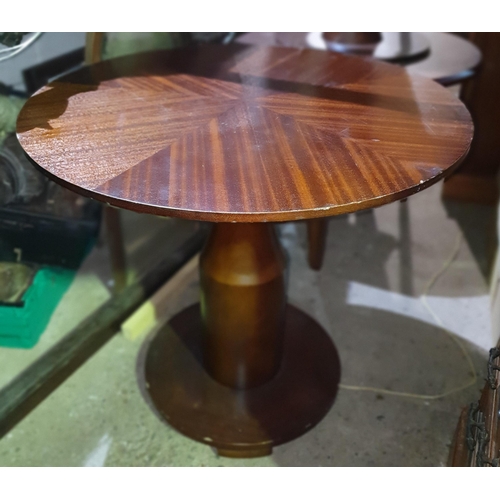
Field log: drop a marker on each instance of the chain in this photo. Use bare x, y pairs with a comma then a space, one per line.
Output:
477, 437
492, 367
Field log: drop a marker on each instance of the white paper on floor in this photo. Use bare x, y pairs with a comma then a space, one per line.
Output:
466, 317
97, 457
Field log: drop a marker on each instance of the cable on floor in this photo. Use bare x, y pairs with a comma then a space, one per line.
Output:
438, 321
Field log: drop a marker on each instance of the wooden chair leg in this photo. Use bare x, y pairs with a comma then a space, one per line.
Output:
114, 238
317, 231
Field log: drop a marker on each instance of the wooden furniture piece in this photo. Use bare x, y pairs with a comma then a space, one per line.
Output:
388, 46
243, 136
477, 179
476, 442
449, 61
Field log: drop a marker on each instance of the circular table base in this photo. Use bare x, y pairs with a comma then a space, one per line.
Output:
239, 423
393, 47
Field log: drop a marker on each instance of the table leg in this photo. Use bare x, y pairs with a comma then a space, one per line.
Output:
114, 238
317, 232
242, 371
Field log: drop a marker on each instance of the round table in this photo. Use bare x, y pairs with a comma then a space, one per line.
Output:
243, 136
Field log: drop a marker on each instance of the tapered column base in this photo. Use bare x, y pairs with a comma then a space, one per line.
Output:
239, 423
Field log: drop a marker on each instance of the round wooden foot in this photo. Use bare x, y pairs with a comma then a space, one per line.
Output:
239, 422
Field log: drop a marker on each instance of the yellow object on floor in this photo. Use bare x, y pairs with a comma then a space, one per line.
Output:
151, 312
141, 322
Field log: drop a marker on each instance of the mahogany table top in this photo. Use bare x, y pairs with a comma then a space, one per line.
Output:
244, 133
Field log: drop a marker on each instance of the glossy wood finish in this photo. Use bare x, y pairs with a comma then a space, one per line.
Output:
239, 423
450, 61
239, 133
242, 278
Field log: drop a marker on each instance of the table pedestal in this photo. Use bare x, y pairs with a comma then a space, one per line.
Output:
242, 371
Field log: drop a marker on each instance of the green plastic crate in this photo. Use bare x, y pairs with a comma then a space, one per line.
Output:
22, 327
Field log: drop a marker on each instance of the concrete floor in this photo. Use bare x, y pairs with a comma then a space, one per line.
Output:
368, 297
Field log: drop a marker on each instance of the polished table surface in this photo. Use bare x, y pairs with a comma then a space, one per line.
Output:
450, 60
249, 135
245, 133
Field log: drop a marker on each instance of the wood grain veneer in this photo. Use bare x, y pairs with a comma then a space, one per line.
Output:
240, 133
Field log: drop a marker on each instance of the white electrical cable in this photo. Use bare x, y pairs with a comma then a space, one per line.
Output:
13, 51
423, 298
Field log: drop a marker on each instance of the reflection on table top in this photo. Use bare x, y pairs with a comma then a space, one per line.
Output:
245, 133
450, 60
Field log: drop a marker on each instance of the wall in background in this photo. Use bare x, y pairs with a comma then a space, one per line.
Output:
48, 46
